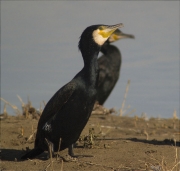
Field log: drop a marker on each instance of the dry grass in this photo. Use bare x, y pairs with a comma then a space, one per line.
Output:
91, 140
27, 110
162, 165
15, 108
124, 100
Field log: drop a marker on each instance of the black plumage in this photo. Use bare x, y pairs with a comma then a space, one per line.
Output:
109, 66
67, 112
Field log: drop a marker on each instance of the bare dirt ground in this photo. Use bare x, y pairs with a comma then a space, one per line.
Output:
116, 143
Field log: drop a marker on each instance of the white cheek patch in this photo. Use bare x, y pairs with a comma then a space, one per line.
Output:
98, 38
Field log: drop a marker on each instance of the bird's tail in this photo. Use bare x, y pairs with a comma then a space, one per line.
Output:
32, 154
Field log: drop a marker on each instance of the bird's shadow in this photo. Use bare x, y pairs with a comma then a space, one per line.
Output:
15, 155
170, 142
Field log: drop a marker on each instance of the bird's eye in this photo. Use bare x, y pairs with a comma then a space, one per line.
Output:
101, 28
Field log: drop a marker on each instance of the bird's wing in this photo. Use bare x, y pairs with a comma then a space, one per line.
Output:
103, 69
56, 102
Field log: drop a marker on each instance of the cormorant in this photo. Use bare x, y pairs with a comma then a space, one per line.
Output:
109, 66
67, 112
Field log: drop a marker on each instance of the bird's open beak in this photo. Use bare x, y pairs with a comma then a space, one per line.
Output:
106, 31
123, 35
116, 35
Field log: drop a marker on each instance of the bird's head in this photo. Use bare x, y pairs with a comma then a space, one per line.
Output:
96, 34
118, 34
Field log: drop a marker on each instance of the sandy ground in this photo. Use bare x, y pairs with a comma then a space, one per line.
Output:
116, 143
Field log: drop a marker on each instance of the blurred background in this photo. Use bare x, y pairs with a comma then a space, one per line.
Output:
39, 51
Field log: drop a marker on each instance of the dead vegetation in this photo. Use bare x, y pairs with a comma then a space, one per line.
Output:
110, 139
27, 110
107, 132
162, 164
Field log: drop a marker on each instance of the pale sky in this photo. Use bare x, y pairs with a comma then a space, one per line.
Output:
39, 52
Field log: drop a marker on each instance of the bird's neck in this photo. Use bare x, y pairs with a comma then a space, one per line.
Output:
90, 69
112, 53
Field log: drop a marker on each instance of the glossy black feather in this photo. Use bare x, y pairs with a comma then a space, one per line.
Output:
109, 71
109, 66
67, 112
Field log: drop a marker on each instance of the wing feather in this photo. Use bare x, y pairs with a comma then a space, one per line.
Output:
103, 70
56, 102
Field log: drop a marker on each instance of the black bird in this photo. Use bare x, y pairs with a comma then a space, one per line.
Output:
67, 112
109, 66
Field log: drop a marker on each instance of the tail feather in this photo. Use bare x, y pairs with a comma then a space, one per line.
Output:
32, 154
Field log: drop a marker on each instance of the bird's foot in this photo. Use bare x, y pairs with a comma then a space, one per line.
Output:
69, 158
71, 153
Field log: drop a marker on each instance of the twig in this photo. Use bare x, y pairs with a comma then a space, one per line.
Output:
5, 111
175, 114
58, 148
40, 109
20, 99
145, 133
47, 166
32, 135
29, 102
124, 100
50, 152
175, 165
13, 106
44, 103
62, 165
